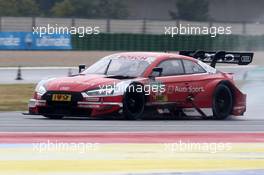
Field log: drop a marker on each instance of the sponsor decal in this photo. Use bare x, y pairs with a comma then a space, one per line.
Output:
161, 98
158, 89
184, 89
246, 59
61, 97
140, 58
29, 41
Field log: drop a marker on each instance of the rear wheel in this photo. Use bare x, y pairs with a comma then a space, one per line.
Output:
133, 104
54, 116
222, 102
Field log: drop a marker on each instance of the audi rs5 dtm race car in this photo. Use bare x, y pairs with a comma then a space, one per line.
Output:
133, 82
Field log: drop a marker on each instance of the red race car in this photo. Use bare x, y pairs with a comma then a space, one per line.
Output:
133, 82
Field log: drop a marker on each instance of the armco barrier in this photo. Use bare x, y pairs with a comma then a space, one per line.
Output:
147, 42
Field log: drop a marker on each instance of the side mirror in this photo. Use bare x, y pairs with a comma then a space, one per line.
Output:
82, 67
156, 71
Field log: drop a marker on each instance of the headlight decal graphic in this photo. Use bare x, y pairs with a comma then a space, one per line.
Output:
40, 88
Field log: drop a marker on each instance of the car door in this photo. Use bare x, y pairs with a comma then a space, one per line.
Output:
196, 79
174, 81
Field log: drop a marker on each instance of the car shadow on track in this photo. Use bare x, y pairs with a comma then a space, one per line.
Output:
145, 118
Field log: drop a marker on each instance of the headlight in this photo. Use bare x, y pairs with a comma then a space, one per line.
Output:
101, 92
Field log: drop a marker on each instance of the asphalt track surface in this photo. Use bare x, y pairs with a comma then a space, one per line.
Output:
253, 121
16, 122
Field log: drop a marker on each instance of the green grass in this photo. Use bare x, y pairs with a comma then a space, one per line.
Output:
14, 97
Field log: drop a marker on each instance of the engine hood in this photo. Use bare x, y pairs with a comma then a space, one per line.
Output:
79, 83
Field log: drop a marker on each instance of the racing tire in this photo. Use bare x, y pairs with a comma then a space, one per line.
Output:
222, 102
54, 117
133, 104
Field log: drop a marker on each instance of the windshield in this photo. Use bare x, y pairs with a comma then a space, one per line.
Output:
120, 67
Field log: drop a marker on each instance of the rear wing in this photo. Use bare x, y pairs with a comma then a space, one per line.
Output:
240, 58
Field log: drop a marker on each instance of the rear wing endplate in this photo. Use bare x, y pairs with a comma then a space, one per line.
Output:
240, 58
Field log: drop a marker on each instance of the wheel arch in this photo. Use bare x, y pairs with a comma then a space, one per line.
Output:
210, 89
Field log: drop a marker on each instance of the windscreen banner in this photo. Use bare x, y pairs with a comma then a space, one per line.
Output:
30, 41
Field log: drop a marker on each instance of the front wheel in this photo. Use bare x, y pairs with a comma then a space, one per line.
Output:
222, 102
133, 103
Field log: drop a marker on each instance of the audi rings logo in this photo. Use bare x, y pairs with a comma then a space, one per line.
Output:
64, 88
246, 59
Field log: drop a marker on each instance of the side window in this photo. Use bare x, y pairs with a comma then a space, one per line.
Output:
171, 67
192, 67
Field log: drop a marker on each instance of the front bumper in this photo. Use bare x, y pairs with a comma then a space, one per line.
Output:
105, 105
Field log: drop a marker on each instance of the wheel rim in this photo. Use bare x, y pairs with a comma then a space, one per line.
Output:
134, 102
223, 102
